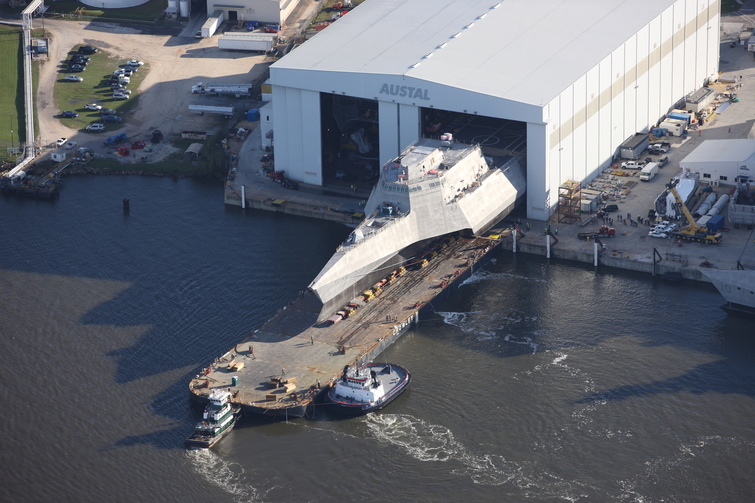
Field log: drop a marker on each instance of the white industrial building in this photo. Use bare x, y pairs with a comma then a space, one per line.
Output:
262, 11
561, 83
722, 161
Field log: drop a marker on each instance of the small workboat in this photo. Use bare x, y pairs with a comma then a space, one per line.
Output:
218, 420
368, 388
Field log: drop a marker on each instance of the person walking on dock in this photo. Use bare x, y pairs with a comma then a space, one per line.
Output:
283, 371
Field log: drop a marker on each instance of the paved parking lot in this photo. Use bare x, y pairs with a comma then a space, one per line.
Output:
175, 64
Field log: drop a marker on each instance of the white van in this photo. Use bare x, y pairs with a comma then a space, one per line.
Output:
649, 171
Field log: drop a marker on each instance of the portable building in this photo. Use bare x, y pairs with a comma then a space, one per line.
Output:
633, 147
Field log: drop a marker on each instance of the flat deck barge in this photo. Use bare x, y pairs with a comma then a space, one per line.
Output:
283, 366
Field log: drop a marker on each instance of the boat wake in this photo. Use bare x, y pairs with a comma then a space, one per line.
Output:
230, 477
432, 442
436, 443
487, 329
483, 275
688, 466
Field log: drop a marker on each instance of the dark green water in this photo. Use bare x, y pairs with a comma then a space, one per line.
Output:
536, 382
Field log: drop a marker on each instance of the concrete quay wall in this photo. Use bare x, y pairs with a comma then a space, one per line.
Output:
607, 259
259, 201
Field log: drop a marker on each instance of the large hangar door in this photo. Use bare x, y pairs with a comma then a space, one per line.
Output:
350, 141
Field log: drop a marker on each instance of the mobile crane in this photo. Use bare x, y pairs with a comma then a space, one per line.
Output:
692, 232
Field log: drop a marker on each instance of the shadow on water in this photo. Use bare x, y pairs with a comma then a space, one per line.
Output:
525, 305
730, 374
194, 276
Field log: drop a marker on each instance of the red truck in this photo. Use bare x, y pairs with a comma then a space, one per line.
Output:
603, 231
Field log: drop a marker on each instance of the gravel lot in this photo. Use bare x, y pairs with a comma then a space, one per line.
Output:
175, 64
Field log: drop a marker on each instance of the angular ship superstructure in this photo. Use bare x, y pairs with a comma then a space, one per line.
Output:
434, 187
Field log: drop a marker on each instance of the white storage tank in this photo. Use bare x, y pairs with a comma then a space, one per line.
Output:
719, 206
185, 7
707, 204
173, 4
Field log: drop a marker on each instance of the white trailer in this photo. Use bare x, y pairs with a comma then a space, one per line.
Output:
245, 42
227, 112
219, 89
212, 24
751, 44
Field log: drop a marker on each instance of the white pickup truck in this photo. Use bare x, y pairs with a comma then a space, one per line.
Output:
632, 165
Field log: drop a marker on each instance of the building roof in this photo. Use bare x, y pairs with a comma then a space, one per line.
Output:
514, 49
722, 151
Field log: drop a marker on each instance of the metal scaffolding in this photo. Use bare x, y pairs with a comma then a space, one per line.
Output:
568, 202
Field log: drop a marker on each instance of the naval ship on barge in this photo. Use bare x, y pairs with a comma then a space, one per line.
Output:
421, 237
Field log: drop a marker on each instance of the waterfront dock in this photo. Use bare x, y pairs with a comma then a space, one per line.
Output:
281, 367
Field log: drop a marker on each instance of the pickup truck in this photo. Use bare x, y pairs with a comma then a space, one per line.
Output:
660, 147
632, 165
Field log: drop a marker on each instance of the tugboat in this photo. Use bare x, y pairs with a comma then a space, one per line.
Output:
368, 388
218, 420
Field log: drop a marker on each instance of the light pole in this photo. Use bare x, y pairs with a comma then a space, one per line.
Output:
11, 130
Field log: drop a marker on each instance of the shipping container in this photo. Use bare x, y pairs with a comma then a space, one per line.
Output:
715, 223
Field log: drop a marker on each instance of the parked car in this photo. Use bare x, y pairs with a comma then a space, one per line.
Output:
76, 68
135, 62
68, 114
73, 78
119, 71
124, 80
664, 226
662, 161
111, 118
81, 57
611, 208
107, 111
95, 127
120, 96
198, 34
87, 49
70, 145
60, 142
130, 68
93, 106
290, 184
658, 234
121, 89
